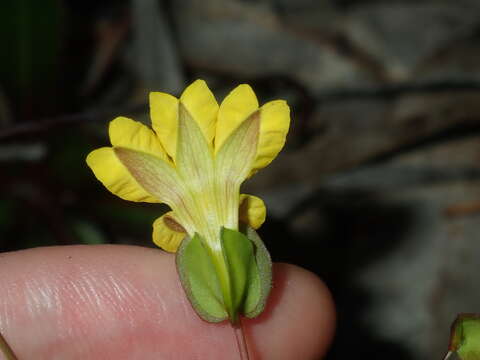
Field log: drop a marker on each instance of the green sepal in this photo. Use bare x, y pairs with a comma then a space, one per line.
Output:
245, 288
250, 272
241, 268
465, 337
199, 280
261, 284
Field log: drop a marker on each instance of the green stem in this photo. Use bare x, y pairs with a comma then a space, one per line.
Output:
241, 340
6, 349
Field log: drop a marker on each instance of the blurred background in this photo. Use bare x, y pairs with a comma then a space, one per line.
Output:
377, 191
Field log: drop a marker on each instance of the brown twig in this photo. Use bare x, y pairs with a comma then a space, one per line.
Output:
82, 117
463, 209
328, 96
448, 355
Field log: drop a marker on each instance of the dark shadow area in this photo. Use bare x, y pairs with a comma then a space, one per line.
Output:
358, 229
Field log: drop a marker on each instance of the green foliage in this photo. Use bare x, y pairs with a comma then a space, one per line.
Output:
7, 208
30, 37
465, 337
88, 233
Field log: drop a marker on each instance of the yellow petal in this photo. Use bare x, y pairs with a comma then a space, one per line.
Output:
159, 178
252, 210
274, 124
195, 168
164, 115
235, 108
125, 132
232, 166
115, 177
201, 104
195, 160
167, 233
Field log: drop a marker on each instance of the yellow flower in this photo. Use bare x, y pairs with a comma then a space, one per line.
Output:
194, 160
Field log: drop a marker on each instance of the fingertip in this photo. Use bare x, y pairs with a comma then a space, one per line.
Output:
55, 298
299, 321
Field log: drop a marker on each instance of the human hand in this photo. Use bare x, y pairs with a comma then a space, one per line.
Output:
126, 302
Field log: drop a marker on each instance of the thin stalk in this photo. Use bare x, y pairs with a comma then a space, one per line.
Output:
6, 350
241, 340
448, 356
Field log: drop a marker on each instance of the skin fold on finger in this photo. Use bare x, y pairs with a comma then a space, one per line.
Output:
126, 302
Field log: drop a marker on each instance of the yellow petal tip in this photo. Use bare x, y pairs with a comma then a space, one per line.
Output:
165, 235
108, 169
252, 210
